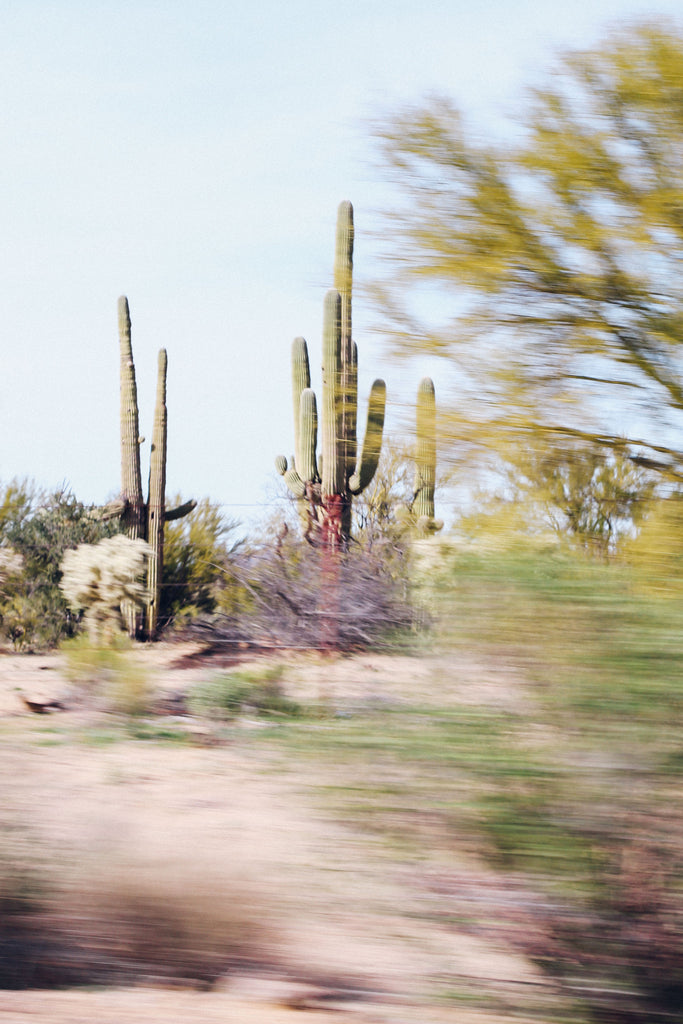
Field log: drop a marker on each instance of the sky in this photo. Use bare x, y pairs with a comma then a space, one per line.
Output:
192, 157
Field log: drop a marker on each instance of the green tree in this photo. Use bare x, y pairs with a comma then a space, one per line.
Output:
592, 499
38, 528
549, 266
197, 553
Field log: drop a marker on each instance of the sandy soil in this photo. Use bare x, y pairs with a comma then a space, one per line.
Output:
231, 842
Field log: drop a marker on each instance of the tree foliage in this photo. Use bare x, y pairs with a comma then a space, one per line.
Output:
552, 261
37, 528
583, 496
197, 553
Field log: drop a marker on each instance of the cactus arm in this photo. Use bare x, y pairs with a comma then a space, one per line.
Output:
301, 379
308, 436
343, 265
372, 443
131, 478
133, 518
425, 458
292, 478
156, 502
295, 483
333, 479
112, 510
180, 511
351, 412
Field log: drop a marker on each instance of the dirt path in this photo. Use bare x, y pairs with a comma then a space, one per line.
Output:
177, 847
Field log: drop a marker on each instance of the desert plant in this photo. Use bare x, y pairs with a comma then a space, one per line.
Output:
110, 673
99, 579
425, 459
198, 551
257, 691
327, 485
143, 520
37, 527
287, 589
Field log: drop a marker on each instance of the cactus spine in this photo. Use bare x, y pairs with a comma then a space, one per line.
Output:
144, 520
328, 485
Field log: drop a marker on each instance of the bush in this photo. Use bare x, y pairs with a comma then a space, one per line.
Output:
111, 674
39, 527
98, 579
227, 696
197, 552
579, 790
299, 597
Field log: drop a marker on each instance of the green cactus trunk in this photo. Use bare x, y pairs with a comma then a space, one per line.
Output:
131, 478
156, 503
143, 520
331, 412
328, 485
425, 460
133, 515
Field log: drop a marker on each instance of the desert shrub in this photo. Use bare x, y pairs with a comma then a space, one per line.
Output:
197, 551
111, 675
257, 692
98, 579
38, 528
297, 596
581, 794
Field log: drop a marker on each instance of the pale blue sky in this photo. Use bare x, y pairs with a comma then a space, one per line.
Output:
192, 157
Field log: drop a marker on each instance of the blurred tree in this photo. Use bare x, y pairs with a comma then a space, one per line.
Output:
549, 267
580, 492
656, 554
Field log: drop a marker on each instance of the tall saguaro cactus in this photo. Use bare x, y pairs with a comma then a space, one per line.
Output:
328, 484
156, 502
144, 519
131, 478
425, 459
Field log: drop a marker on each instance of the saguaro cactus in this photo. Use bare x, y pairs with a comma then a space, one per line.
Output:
156, 502
327, 485
131, 479
425, 459
144, 520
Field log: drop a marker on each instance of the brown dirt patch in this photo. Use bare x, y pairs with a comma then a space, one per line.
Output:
182, 850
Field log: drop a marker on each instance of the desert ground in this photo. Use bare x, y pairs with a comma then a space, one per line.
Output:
192, 872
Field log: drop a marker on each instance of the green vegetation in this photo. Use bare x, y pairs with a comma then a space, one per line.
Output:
546, 267
422, 507
255, 692
563, 769
109, 674
198, 554
143, 520
327, 485
36, 528
101, 579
